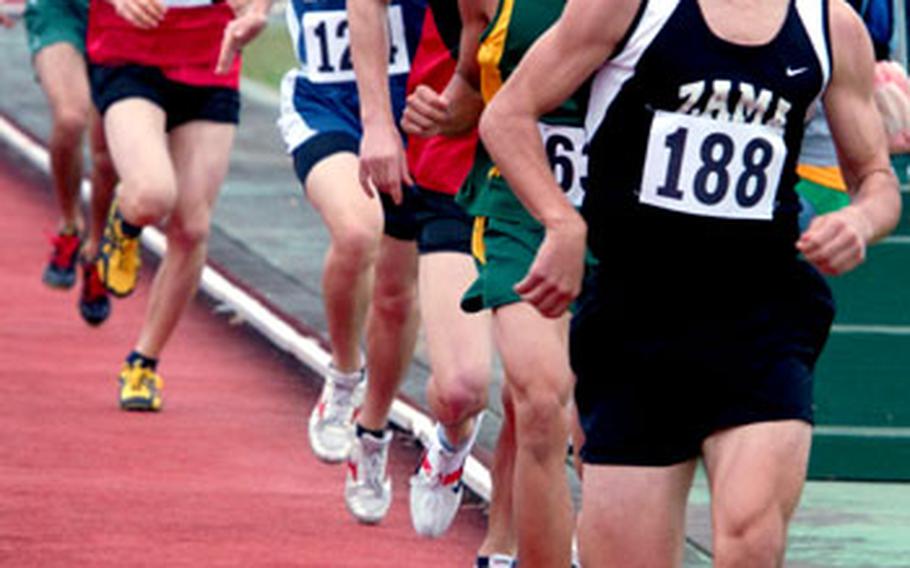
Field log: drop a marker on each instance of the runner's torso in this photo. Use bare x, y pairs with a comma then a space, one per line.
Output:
515, 27
185, 45
439, 163
693, 150
321, 38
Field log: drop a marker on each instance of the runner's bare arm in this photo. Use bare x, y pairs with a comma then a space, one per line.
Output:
836, 243
383, 164
453, 112
249, 21
558, 63
145, 14
457, 109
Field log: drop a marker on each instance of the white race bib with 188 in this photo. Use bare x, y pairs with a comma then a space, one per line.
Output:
328, 46
568, 154
706, 167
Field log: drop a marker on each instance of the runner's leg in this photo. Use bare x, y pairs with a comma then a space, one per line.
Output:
104, 180
501, 537
634, 516
354, 221
756, 474
201, 152
62, 72
459, 344
391, 328
534, 353
140, 150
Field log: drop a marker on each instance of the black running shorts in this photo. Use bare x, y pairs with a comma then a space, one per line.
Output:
655, 378
442, 225
181, 103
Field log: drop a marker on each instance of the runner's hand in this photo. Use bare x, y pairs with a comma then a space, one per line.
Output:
240, 31
144, 14
383, 164
836, 242
6, 21
554, 279
426, 112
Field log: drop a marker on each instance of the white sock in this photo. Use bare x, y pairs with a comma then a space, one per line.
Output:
451, 457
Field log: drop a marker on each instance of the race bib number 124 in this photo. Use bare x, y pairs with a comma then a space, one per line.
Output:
328, 46
706, 167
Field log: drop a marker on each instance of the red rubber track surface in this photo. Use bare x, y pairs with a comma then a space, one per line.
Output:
223, 476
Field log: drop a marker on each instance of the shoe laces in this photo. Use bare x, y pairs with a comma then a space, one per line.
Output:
129, 254
339, 404
144, 376
65, 246
440, 471
373, 461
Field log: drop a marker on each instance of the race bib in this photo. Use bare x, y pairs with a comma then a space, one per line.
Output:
701, 166
328, 46
568, 154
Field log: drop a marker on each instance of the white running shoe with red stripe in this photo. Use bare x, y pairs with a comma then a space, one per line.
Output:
367, 487
331, 424
436, 487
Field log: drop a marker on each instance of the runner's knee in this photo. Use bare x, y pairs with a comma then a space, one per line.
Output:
356, 246
458, 394
540, 415
146, 200
749, 534
70, 123
189, 233
393, 303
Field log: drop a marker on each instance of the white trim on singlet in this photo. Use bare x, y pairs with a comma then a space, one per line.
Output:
812, 13
293, 21
294, 129
610, 79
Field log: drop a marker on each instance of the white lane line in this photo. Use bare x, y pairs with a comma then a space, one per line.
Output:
864, 431
274, 328
845, 328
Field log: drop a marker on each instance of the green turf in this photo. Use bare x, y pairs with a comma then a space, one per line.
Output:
270, 56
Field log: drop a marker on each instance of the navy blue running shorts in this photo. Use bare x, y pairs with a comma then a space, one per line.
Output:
181, 103
442, 224
655, 380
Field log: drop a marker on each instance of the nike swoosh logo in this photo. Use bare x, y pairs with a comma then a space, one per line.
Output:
791, 72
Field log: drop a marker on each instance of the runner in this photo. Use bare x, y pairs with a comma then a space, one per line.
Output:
459, 344
699, 336
533, 348
164, 77
56, 39
821, 187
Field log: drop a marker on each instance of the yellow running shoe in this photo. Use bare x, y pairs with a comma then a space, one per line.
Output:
140, 388
118, 259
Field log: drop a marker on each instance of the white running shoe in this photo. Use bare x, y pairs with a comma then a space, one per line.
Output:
331, 425
367, 487
436, 487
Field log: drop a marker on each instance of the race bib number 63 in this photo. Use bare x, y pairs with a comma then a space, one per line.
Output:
705, 167
567, 152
